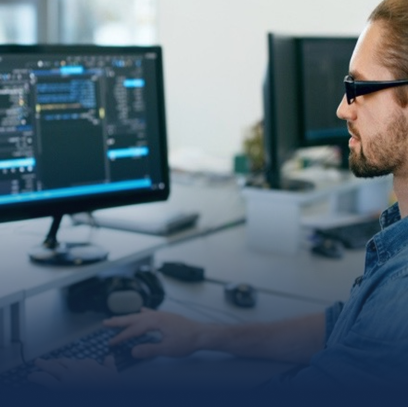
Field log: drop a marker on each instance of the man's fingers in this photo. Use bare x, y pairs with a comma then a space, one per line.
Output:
128, 333
119, 321
133, 331
125, 320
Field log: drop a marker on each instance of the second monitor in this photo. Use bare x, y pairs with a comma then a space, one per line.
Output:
303, 87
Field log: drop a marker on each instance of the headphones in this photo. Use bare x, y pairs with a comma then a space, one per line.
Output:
116, 295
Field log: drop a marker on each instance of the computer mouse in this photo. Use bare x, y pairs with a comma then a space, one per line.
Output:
331, 248
240, 294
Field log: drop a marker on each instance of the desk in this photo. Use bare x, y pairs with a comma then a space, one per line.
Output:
226, 256
219, 203
20, 279
298, 284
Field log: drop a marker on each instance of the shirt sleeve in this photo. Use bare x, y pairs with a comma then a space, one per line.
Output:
332, 315
373, 352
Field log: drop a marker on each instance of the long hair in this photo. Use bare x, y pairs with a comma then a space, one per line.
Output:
393, 52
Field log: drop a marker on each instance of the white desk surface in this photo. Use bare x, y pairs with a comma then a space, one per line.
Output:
225, 256
218, 203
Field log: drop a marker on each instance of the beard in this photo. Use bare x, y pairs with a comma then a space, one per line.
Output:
383, 154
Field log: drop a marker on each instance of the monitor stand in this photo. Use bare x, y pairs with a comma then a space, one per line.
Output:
67, 254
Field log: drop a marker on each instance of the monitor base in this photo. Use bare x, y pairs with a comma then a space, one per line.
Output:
68, 254
65, 254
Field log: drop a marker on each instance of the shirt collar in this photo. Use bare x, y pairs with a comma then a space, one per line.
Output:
393, 236
390, 216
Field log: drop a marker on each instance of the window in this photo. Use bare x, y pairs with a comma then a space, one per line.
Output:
119, 22
18, 22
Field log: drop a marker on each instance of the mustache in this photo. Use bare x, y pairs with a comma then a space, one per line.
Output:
353, 131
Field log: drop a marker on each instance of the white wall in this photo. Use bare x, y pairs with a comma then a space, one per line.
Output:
215, 55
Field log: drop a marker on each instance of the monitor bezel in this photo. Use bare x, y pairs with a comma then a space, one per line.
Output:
279, 107
88, 203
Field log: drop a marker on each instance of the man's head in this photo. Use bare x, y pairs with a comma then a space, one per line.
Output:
378, 121
393, 51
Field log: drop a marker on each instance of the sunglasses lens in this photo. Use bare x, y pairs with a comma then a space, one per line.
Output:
350, 94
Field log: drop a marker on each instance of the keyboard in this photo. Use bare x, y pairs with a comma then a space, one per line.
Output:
93, 346
354, 235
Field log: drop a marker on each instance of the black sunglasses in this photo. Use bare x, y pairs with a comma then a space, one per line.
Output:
359, 88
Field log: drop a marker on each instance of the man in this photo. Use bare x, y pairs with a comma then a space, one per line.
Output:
364, 341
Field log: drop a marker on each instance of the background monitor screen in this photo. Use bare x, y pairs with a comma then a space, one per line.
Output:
81, 128
302, 89
323, 63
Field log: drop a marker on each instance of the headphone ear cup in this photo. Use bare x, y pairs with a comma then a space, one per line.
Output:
124, 296
86, 295
152, 288
116, 295
124, 302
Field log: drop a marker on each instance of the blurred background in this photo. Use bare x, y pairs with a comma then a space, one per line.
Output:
214, 54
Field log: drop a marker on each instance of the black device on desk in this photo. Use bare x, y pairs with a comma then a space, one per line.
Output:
240, 294
354, 235
327, 247
182, 271
83, 128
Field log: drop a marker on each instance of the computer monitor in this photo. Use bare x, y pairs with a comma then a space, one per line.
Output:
281, 114
81, 128
322, 64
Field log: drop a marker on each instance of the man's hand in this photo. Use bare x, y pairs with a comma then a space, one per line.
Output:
64, 372
179, 335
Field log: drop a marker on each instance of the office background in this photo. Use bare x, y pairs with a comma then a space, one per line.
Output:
214, 58
214, 53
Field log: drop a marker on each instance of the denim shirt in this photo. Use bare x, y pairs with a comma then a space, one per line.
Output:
367, 337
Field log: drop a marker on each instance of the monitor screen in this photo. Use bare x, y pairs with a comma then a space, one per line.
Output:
323, 63
81, 128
